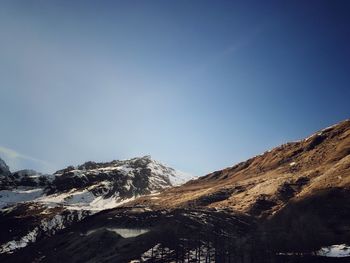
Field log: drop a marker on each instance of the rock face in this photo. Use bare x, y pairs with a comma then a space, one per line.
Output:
5, 175
22, 178
128, 178
4, 169
32, 200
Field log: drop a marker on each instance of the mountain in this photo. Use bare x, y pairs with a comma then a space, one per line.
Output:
264, 184
289, 204
35, 205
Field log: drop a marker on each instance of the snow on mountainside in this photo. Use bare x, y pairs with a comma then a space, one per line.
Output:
73, 193
22, 186
94, 186
20, 194
97, 186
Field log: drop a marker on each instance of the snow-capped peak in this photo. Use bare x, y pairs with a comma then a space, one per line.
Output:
175, 177
129, 167
84, 189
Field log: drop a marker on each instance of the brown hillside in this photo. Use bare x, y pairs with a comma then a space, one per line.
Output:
265, 183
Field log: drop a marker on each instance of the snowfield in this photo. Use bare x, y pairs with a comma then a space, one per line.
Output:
21, 194
98, 195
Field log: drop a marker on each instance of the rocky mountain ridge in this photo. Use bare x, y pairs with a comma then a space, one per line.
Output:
262, 185
73, 193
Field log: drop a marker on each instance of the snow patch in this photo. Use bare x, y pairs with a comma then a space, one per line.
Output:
123, 232
49, 226
10, 246
84, 200
336, 251
22, 194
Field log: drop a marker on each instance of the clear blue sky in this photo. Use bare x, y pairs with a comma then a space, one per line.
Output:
199, 85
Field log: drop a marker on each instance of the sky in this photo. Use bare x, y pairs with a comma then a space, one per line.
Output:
198, 85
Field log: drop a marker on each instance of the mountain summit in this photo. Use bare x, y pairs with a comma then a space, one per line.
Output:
48, 203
